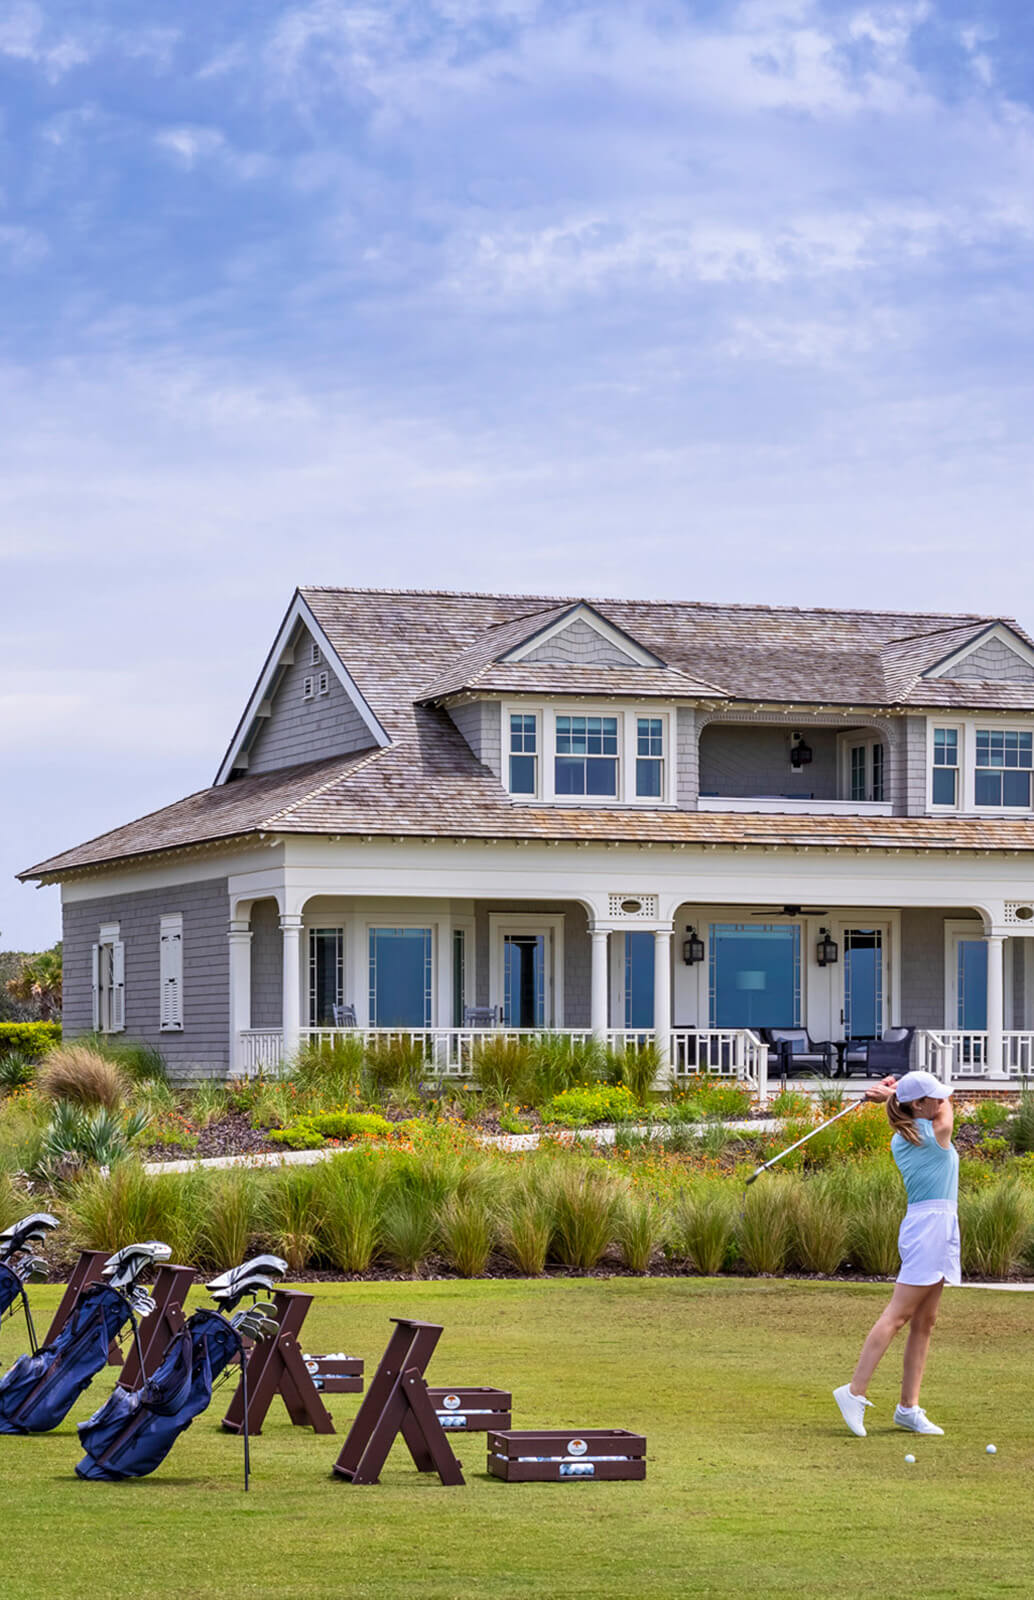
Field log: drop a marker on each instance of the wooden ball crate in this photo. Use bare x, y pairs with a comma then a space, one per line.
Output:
552, 1455
472, 1410
336, 1374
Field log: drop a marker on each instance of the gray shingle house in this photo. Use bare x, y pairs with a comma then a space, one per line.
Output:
441, 813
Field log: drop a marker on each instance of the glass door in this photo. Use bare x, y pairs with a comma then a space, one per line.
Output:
639, 952
326, 975
863, 1013
525, 980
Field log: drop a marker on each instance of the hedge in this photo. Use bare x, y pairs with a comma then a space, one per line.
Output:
34, 1038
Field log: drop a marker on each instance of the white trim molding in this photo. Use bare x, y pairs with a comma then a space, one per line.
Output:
552, 924
999, 631
637, 654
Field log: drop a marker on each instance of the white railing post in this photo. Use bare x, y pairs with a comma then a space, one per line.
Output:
240, 991
291, 933
762, 1074
995, 1003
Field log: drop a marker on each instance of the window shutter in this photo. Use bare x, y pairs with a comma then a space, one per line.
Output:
170, 1009
118, 986
95, 988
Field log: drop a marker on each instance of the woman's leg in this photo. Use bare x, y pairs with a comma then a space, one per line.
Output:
903, 1303
918, 1343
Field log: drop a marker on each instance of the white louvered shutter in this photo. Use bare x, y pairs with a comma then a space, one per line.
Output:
95, 988
118, 986
171, 974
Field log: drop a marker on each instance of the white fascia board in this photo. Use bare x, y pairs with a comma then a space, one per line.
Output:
297, 612
997, 630
636, 654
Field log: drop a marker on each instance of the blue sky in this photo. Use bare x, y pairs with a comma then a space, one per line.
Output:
718, 301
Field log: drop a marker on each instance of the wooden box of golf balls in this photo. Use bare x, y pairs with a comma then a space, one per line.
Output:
336, 1374
550, 1455
472, 1410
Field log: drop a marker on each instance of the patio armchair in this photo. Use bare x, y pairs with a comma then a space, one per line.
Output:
480, 1016
877, 1058
796, 1052
344, 1016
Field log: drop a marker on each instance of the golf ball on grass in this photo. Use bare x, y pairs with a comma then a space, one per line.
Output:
992, 1450
910, 1460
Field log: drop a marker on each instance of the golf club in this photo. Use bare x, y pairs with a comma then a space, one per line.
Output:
797, 1144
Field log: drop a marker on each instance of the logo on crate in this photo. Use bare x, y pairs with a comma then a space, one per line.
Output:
312, 1366
451, 1402
576, 1447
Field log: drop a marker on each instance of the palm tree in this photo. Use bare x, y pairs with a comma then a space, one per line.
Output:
38, 983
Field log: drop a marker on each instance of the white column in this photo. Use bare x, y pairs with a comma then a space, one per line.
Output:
598, 1003
995, 1004
291, 933
662, 993
240, 989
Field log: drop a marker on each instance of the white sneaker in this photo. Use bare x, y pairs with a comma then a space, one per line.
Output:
852, 1408
915, 1419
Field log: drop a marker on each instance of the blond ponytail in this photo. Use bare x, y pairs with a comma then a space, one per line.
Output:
902, 1119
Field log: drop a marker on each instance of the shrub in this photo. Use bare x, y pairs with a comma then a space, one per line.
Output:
636, 1066
821, 1230
466, 1232
876, 1204
585, 1202
990, 1114
638, 1229
293, 1212
1021, 1126
75, 1072
996, 1227
396, 1063
560, 1062
231, 1216
77, 1137
701, 1227
353, 1197
765, 1230
993, 1149
107, 1212
144, 1063
581, 1107
716, 1097
309, 1133
526, 1226
17, 1070
209, 1103
505, 1069
331, 1070
407, 1228
34, 1039
791, 1103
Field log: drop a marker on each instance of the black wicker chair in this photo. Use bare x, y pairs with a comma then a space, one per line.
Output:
797, 1052
878, 1058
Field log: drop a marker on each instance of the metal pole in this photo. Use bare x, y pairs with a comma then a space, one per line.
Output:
847, 1109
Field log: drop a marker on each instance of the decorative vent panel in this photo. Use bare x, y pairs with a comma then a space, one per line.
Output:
1019, 913
634, 907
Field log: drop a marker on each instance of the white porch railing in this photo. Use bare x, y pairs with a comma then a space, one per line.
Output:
952, 1053
452, 1052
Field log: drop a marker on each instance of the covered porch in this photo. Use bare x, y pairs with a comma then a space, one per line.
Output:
702, 984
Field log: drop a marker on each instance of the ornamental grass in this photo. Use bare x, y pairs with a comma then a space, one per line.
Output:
79, 1074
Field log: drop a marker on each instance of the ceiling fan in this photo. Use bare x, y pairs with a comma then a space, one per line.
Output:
792, 911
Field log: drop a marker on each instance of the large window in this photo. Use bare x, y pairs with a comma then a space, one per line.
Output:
400, 977
587, 756
523, 753
649, 759
639, 954
971, 984
865, 769
755, 975
945, 789
326, 968
1003, 767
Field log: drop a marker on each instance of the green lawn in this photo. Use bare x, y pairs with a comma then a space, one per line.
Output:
753, 1485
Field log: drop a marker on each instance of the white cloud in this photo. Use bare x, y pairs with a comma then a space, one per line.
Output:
195, 146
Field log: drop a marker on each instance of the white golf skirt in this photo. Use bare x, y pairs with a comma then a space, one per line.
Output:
929, 1243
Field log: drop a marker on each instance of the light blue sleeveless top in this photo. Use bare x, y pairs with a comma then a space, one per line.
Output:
930, 1171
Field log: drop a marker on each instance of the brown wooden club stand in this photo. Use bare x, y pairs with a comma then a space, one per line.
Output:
87, 1270
169, 1292
275, 1366
396, 1402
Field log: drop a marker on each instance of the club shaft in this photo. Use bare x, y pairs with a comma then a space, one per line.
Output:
796, 1146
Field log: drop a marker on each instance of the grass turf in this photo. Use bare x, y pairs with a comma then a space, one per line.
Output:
753, 1484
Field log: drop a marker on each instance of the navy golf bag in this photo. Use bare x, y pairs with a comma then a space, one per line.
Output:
11, 1288
40, 1390
133, 1432
19, 1264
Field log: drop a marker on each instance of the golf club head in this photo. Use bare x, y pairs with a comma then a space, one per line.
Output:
30, 1230
143, 1303
125, 1266
257, 1321
250, 1277
32, 1269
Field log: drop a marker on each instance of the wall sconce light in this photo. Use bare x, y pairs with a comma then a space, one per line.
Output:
827, 951
800, 752
692, 948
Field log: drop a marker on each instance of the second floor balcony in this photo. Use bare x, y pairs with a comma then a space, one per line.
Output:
773, 767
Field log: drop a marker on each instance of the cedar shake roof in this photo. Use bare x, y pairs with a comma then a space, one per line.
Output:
408, 651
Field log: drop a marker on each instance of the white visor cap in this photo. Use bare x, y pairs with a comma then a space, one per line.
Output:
919, 1086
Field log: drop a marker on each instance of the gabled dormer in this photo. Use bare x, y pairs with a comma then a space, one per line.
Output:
582, 637
996, 655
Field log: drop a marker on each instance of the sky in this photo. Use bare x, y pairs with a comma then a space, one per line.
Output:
715, 300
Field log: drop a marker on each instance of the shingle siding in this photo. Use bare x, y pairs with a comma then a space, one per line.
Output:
922, 966
201, 1048
687, 757
994, 662
307, 730
751, 760
579, 644
267, 965
479, 721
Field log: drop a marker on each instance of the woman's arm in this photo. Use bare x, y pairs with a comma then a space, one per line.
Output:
882, 1091
943, 1121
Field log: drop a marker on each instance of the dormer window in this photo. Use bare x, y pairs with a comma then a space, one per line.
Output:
586, 756
524, 753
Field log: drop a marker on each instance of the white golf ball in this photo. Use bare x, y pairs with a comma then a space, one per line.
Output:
910, 1460
992, 1450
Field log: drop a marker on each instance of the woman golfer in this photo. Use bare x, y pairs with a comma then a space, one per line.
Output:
920, 1112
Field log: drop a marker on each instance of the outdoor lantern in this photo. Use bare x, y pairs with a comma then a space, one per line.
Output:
827, 949
692, 948
800, 753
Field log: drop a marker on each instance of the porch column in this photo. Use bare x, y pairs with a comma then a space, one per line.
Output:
240, 989
662, 993
291, 933
598, 1018
995, 1004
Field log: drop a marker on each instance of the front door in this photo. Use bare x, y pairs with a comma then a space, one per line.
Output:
863, 1012
525, 980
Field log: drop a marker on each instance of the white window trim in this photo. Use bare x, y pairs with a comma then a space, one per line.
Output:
322, 683
960, 785
309, 927
466, 926
315, 654
438, 968
627, 715
636, 653
308, 687
109, 934
170, 1002
956, 929
867, 739
995, 725
502, 923
967, 727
